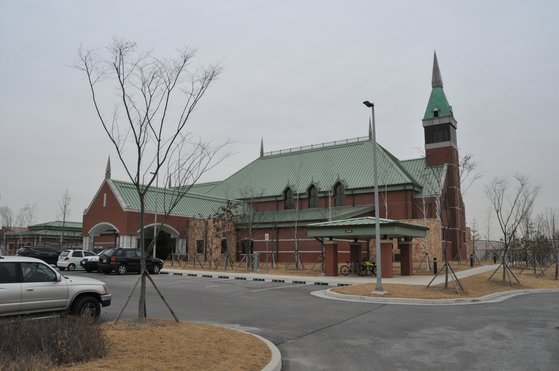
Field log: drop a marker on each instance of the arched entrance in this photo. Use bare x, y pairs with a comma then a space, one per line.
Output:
166, 240
101, 236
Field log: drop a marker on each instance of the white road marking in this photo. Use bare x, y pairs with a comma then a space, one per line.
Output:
273, 288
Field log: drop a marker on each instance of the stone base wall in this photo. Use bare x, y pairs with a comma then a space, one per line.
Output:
432, 244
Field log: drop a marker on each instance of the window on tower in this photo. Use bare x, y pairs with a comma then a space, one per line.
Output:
440, 133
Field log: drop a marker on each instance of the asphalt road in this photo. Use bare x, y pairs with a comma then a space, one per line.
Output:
521, 333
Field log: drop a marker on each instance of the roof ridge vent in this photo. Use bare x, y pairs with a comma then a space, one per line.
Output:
317, 146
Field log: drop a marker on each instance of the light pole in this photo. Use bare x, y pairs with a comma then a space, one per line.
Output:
156, 207
378, 288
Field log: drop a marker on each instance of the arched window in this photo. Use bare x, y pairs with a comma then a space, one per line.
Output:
312, 194
339, 196
288, 198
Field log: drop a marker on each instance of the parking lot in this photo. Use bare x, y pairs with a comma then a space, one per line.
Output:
521, 333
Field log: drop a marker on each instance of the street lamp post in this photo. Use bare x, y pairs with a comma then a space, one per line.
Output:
378, 288
156, 209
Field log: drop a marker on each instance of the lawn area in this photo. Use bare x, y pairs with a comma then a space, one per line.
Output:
167, 345
474, 286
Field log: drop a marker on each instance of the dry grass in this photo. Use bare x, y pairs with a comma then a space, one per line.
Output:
474, 286
167, 345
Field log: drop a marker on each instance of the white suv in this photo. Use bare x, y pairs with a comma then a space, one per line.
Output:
29, 285
71, 259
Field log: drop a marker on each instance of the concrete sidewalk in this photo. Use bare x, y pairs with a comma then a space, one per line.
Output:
322, 280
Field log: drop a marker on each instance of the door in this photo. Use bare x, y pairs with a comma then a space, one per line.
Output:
40, 288
10, 288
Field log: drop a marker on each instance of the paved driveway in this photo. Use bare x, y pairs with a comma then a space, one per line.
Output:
521, 333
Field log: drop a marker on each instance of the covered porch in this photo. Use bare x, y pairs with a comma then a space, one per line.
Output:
363, 229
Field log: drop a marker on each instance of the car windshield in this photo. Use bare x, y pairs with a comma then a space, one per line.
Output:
108, 252
64, 253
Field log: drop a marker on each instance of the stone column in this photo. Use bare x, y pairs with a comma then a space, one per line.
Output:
330, 259
406, 257
386, 263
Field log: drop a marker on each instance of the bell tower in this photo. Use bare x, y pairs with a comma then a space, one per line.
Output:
439, 124
441, 148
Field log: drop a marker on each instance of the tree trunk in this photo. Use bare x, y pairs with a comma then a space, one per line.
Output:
142, 301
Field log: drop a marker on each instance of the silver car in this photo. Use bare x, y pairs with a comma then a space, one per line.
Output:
29, 285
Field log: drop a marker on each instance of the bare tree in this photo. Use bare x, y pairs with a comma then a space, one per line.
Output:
549, 229
248, 217
26, 215
468, 173
64, 212
7, 216
156, 99
512, 207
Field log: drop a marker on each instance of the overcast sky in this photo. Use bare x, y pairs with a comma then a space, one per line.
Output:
294, 73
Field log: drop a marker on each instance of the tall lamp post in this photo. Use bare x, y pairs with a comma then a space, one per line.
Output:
156, 209
378, 288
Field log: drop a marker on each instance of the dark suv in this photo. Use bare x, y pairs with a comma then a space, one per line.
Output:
46, 254
122, 260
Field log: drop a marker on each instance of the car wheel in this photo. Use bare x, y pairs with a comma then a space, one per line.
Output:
121, 269
87, 306
156, 269
71, 267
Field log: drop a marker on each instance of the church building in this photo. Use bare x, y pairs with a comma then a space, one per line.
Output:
273, 200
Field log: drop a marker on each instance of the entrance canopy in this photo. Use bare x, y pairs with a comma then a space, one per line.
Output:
364, 228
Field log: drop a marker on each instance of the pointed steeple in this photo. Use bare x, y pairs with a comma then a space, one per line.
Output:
437, 80
438, 105
261, 146
108, 169
370, 130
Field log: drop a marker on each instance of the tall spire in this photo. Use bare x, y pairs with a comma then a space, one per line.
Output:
108, 169
437, 80
261, 146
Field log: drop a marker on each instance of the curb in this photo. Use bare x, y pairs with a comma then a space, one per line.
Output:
491, 298
298, 280
275, 363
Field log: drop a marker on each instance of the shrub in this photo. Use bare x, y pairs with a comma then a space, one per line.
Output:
31, 344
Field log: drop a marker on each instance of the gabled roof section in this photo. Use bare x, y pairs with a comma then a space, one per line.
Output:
349, 161
161, 199
430, 177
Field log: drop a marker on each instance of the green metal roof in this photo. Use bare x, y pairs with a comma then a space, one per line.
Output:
364, 228
304, 216
161, 199
202, 188
430, 177
58, 224
438, 101
323, 165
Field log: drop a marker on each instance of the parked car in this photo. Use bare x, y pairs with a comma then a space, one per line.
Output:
45, 253
91, 263
122, 260
71, 259
30, 286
